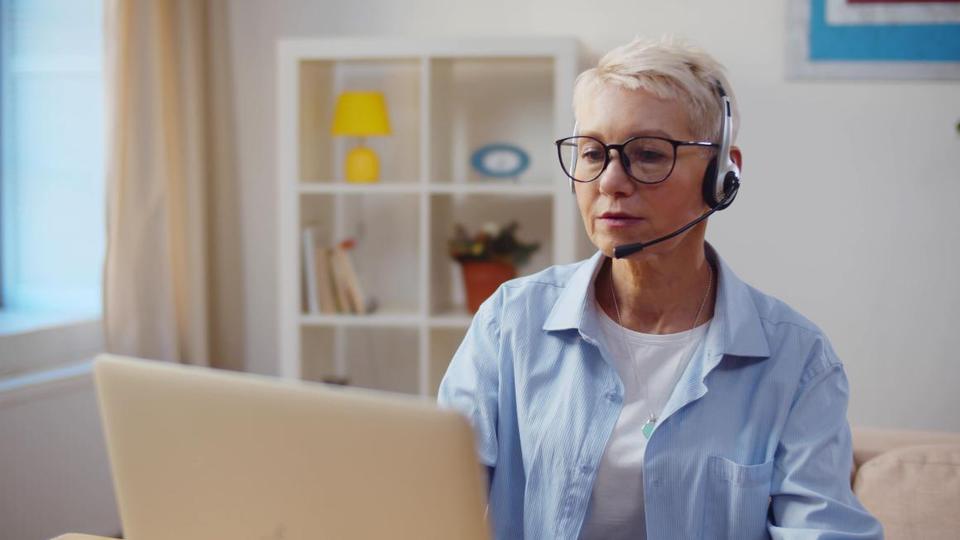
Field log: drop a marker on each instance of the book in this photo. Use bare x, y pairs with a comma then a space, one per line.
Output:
349, 290
338, 263
309, 247
326, 292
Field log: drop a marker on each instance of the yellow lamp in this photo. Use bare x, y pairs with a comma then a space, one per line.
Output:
361, 114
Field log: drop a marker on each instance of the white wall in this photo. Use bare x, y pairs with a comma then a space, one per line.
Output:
54, 472
848, 186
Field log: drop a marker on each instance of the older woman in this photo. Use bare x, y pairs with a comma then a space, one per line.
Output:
648, 392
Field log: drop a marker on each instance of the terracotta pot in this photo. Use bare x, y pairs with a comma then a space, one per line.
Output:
481, 279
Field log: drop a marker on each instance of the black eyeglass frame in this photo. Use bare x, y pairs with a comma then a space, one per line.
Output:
624, 160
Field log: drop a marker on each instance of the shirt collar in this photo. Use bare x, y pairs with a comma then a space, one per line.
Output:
736, 328
572, 307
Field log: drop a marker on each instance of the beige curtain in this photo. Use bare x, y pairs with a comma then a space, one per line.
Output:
171, 280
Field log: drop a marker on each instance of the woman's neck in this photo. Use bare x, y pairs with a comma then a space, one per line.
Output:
658, 293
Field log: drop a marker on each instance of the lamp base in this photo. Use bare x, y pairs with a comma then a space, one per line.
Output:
362, 165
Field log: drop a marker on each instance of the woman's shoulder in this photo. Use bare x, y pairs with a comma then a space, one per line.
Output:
744, 301
775, 311
785, 325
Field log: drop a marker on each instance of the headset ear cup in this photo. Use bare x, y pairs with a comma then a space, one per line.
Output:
731, 186
710, 184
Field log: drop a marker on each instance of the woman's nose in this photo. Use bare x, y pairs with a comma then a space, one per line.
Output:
614, 180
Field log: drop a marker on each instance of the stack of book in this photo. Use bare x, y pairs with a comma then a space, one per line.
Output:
330, 279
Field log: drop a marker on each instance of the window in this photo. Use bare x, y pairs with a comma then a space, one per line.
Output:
52, 162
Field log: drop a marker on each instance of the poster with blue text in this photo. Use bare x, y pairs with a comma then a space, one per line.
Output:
873, 39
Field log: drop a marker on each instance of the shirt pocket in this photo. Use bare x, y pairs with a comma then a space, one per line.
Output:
736, 499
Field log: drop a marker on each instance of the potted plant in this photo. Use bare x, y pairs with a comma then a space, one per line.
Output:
488, 258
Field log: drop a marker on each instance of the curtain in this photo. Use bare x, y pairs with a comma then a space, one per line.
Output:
172, 278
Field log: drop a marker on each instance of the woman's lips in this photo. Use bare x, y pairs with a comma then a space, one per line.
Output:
616, 219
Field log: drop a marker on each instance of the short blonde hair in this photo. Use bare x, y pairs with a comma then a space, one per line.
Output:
668, 69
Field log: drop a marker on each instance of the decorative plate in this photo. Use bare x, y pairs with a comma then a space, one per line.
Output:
500, 160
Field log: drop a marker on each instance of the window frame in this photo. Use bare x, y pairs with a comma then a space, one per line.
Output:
33, 342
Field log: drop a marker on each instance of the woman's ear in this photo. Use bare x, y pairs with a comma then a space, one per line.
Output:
737, 157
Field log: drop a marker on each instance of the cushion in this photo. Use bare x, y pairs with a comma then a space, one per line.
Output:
75, 536
869, 443
914, 491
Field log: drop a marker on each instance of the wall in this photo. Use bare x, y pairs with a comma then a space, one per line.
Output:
54, 473
847, 185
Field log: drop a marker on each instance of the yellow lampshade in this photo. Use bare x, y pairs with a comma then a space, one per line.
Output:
361, 114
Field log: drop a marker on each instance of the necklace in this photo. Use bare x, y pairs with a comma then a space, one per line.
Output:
651, 422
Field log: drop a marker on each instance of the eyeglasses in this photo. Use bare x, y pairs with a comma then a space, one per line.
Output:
648, 160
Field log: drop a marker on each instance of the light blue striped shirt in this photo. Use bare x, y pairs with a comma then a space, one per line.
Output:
753, 442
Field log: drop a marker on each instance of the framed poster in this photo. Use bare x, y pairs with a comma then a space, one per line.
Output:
873, 39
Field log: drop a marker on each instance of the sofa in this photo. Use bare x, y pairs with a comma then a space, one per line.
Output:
909, 480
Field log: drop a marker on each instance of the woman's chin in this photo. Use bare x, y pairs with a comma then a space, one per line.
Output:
608, 242
607, 245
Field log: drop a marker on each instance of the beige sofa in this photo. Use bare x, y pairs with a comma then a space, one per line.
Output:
910, 480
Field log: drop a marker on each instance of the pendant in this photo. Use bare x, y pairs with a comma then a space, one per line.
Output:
647, 428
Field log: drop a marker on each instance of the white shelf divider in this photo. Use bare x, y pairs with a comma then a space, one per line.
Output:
426, 136
503, 187
384, 188
385, 320
458, 320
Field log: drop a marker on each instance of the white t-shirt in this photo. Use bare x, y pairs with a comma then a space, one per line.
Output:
616, 505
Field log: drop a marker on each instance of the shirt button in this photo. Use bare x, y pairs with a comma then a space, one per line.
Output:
657, 482
586, 469
613, 397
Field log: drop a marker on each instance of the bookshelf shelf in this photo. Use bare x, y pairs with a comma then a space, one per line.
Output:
446, 98
455, 319
385, 320
504, 188
333, 187
475, 188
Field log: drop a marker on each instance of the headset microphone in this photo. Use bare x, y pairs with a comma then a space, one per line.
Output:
626, 250
721, 181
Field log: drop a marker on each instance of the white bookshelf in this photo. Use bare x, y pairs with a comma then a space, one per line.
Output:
446, 98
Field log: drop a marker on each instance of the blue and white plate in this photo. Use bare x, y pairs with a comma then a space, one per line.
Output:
500, 160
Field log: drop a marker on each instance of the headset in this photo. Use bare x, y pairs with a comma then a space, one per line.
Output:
721, 183
721, 180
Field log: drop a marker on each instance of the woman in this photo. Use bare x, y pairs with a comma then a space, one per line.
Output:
654, 394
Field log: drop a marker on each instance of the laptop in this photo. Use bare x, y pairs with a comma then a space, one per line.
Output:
198, 453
